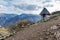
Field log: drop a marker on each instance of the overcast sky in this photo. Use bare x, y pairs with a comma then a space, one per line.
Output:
28, 6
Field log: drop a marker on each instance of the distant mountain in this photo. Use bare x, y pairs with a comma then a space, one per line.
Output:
4, 17
9, 19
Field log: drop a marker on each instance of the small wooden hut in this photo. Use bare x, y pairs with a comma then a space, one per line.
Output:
45, 14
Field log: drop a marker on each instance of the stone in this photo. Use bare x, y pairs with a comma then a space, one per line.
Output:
54, 27
58, 24
57, 34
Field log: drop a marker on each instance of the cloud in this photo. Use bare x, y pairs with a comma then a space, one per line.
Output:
11, 9
2, 2
28, 6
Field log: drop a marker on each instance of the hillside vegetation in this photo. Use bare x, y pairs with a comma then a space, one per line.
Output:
4, 32
19, 25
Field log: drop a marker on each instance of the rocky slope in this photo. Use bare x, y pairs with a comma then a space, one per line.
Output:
49, 30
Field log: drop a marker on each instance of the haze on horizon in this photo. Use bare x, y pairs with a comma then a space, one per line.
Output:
28, 6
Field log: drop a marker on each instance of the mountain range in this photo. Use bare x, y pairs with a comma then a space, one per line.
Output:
9, 19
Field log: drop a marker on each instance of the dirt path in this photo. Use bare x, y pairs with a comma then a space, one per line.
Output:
32, 32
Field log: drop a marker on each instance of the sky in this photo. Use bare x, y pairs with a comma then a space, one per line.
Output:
28, 6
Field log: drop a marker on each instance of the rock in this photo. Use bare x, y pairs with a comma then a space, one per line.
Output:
47, 33
57, 34
52, 33
41, 38
54, 27
1, 37
58, 24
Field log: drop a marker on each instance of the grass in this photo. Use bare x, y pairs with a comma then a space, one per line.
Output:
4, 33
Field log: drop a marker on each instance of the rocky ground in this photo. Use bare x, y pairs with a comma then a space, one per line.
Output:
49, 30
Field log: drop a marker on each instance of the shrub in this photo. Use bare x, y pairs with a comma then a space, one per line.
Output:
24, 23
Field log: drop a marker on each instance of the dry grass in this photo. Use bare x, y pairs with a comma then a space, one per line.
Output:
4, 32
